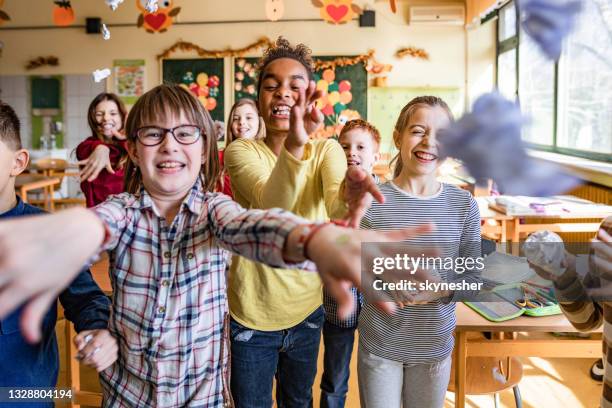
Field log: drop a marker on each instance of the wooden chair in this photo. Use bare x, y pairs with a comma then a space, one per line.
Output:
491, 375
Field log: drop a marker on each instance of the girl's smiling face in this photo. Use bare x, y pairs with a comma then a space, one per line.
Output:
169, 169
418, 141
282, 81
109, 119
245, 122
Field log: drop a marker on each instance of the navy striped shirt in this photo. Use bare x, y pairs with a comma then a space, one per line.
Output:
420, 334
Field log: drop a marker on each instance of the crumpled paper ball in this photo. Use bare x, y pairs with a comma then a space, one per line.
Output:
548, 22
546, 250
488, 142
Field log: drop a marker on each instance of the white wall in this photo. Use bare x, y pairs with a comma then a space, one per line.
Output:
82, 53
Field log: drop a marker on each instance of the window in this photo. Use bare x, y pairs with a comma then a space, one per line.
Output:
570, 103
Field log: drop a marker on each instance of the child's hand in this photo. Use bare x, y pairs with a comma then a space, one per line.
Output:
305, 118
357, 190
95, 163
337, 253
39, 256
119, 135
97, 348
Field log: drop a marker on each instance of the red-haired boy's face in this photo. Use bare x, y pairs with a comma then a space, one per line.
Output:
360, 148
282, 80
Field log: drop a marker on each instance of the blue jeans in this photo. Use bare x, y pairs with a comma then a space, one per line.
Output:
336, 364
289, 355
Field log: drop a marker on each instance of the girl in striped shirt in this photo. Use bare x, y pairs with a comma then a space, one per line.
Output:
405, 359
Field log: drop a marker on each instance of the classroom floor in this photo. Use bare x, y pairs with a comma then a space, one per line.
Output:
544, 385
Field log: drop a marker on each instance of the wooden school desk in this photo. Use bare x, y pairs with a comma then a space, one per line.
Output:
470, 321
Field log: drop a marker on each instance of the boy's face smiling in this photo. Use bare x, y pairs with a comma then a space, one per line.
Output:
360, 148
282, 80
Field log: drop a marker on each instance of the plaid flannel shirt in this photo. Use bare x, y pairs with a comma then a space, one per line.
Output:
169, 294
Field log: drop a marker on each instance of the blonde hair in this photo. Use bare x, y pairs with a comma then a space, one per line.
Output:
261, 132
405, 116
162, 102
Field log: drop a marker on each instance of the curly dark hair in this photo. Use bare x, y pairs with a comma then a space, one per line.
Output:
283, 49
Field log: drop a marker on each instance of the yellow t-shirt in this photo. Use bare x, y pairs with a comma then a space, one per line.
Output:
265, 298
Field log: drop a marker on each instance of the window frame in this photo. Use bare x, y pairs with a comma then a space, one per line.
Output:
513, 43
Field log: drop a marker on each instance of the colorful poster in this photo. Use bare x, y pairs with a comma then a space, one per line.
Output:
345, 91
129, 79
245, 78
203, 77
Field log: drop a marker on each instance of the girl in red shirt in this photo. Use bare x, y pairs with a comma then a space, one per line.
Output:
103, 155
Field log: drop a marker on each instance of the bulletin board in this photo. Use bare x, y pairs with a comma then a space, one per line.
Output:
345, 91
345, 95
203, 77
245, 78
386, 103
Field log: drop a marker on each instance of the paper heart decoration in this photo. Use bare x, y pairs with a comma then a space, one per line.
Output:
155, 20
337, 12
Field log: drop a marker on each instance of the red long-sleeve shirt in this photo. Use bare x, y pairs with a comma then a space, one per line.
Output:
223, 185
106, 183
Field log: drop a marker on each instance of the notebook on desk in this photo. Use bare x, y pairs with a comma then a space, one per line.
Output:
564, 205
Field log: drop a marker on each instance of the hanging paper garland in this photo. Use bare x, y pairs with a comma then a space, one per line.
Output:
158, 21
3, 16
229, 52
275, 9
63, 14
337, 11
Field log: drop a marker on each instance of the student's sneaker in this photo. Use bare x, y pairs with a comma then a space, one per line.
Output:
597, 370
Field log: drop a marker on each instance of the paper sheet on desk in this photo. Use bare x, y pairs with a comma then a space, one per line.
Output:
503, 268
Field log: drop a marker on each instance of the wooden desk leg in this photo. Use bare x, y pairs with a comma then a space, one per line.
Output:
460, 368
516, 222
504, 231
72, 365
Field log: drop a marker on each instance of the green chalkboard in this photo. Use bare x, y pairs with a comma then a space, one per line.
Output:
345, 95
203, 77
45, 93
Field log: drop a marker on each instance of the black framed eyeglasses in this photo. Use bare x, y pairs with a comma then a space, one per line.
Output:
154, 135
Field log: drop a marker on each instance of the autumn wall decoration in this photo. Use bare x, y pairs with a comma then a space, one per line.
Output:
3, 16
63, 14
337, 11
160, 20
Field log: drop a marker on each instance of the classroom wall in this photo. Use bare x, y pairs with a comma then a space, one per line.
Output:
80, 53
83, 53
